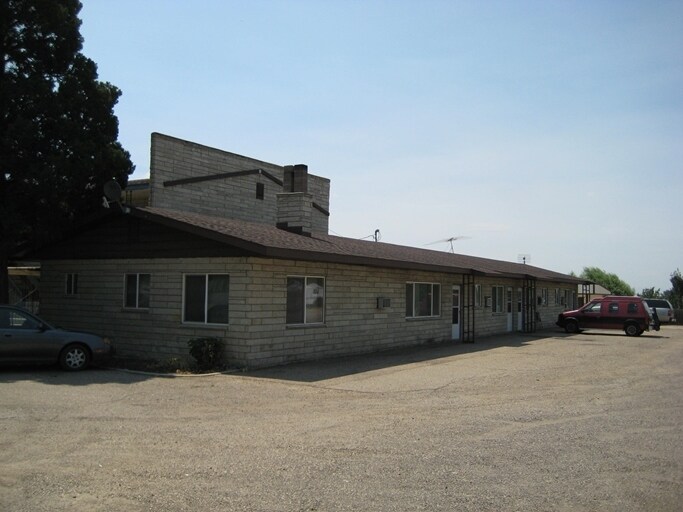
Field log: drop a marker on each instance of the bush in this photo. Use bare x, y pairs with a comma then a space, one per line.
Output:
208, 352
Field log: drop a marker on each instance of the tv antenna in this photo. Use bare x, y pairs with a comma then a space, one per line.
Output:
524, 259
449, 241
377, 236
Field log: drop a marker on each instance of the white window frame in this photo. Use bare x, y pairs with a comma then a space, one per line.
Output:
544, 296
433, 295
305, 298
137, 289
477, 295
206, 298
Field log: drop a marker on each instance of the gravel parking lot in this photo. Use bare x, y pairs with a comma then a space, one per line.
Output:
588, 422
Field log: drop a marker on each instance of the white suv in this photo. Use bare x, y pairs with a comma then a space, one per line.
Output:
663, 309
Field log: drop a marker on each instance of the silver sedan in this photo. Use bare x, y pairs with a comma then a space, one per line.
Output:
26, 338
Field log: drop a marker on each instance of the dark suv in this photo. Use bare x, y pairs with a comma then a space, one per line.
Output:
630, 314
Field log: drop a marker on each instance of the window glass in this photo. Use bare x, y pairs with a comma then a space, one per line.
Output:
305, 300
206, 298
594, 308
436, 300
632, 307
71, 284
195, 293
295, 300
497, 296
409, 300
143, 290
131, 290
217, 299
136, 294
613, 307
423, 299
19, 320
315, 300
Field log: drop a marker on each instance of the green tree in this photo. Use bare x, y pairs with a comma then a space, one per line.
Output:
610, 281
58, 131
651, 293
675, 295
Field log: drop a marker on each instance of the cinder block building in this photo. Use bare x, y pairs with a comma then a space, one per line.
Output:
221, 245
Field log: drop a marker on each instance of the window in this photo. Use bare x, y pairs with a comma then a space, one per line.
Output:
497, 299
477, 295
632, 307
613, 307
423, 300
205, 298
305, 300
594, 307
10, 319
136, 293
260, 190
71, 284
544, 296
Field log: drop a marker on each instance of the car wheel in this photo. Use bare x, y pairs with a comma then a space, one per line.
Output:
74, 357
571, 327
632, 330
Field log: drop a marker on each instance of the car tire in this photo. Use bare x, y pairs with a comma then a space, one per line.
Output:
571, 327
74, 357
633, 330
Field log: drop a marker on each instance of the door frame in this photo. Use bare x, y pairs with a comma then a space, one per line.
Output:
456, 312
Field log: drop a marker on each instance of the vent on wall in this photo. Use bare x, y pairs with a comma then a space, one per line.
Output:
383, 302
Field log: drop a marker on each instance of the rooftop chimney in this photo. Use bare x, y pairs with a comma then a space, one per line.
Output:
295, 204
296, 178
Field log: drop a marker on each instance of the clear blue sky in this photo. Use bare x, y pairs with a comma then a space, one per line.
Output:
548, 128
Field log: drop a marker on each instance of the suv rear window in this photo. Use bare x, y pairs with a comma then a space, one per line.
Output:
657, 303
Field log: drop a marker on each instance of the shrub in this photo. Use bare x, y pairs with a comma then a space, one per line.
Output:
208, 352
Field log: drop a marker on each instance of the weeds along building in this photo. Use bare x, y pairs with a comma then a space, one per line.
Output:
220, 245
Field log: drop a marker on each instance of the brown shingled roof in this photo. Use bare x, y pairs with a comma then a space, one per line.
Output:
269, 241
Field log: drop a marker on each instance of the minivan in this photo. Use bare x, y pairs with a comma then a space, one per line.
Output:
630, 314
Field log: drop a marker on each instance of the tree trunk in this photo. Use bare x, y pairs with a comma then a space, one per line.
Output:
4, 275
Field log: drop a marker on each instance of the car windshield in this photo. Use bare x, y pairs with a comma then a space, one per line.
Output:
592, 307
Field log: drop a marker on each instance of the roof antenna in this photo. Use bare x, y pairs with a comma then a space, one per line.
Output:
524, 259
450, 241
377, 236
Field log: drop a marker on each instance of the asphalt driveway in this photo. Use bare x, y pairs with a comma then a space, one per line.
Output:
580, 423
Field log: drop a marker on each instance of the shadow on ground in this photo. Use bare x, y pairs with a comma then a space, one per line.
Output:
325, 369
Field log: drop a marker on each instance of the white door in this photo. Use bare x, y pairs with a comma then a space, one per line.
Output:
455, 330
519, 309
508, 305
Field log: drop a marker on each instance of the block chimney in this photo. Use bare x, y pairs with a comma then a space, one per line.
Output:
295, 204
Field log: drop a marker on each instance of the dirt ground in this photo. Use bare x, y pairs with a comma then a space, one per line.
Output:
591, 422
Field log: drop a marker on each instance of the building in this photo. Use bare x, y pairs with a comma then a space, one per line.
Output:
237, 248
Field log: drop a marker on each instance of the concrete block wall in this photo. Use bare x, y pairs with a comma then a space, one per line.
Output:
353, 324
155, 333
257, 334
235, 197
